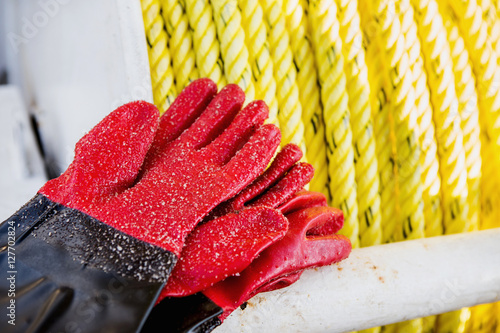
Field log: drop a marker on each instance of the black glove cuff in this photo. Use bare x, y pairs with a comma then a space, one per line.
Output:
71, 272
91, 242
192, 314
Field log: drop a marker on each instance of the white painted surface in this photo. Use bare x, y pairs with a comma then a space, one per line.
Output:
381, 285
21, 167
75, 61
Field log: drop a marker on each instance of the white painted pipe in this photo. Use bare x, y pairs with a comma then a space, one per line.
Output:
381, 285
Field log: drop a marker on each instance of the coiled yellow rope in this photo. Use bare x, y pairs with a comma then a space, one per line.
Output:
232, 44
406, 131
398, 85
469, 113
382, 120
259, 55
439, 66
180, 43
484, 64
162, 76
285, 74
366, 166
205, 43
307, 82
429, 162
328, 51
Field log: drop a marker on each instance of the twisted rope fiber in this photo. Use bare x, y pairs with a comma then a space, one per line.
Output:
409, 222
327, 46
429, 163
309, 92
180, 42
402, 98
490, 16
439, 66
205, 43
162, 76
259, 55
484, 64
382, 119
366, 166
232, 45
465, 84
285, 74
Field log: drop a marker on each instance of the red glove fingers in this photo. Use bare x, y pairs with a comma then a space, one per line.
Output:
215, 118
284, 259
179, 184
233, 238
293, 181
121, 139
301, 200
261, 186
188, 106
193, 272
284, 161
240, 130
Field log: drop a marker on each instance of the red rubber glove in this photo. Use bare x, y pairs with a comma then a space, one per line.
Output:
282, 263
309, 242
137, 186
192, 167
274, 186
228, 244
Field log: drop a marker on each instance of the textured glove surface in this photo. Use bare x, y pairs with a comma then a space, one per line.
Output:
226, 245
205, 151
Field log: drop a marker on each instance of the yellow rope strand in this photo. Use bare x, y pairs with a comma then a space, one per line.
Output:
366, 166
180, 43
259, 55
484, 64
307, 82
469, 113
408, 152
483, 318
232, 44
285, 74
382, 120
439, 66
429, 162
490, 16
328, 51
205, 43
398, 83
162, 76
